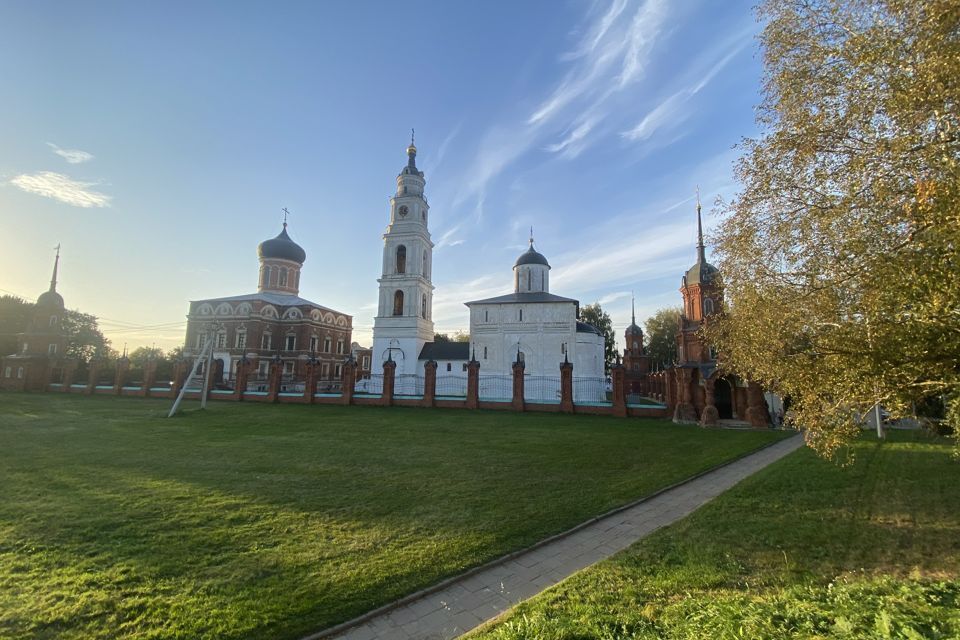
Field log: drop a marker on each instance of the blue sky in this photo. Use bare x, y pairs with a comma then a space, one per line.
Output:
159, 142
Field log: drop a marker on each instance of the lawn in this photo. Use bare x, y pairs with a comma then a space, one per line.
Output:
266, 521
803, 549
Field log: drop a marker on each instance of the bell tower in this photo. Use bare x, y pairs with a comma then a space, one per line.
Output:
404, 321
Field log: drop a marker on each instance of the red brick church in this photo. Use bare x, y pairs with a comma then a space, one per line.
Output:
272, 324
703, 392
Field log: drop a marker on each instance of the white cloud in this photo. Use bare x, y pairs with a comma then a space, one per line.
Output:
62, 188
73, 156
674, 110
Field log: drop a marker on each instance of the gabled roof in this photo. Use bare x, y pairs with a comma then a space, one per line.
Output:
445, 351
525, 298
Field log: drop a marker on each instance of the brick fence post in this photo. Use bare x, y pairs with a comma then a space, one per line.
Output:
566, 385
149, 376
120, 377
517, 402
389, 375
473, 384
348, 381
92, 374
684, 411
618, 378
243, 375
273, 382
310, 382
69, 368
430, 383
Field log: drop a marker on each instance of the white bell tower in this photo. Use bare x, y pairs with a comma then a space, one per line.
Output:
404, 320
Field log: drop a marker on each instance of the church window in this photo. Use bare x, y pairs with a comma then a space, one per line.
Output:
398, 303
543, 280
326, 345
283, 277
423, 307
20, 372
325, 370
296, 281
265, 341
529, 276
401, 260
265, 280
8, 372
635, 345
241, 339
521, 315
340, 347
221, 340
707, 306
314, 341
426, 274
52, 350
484, 353
291, 343
337, 371
486, 315
449, 366
53, 321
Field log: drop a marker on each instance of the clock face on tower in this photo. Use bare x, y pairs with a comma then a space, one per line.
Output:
403, 211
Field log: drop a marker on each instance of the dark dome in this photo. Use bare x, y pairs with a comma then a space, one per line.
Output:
634, 330
282, 247
702, 273
531, 256
50, 299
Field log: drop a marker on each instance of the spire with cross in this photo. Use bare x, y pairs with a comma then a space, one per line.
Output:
285, 214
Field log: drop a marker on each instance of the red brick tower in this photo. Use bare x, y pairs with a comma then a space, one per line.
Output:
636, 362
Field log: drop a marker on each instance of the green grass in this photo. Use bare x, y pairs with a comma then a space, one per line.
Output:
803, 549
265, 521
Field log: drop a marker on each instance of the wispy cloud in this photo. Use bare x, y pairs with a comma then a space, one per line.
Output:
62, 188
674, 109
73, 156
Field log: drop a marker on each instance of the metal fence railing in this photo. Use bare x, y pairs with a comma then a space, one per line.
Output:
258, 382
590, 390
496, 388
328, 385
452, 386
369, 386
408, 384
545, 389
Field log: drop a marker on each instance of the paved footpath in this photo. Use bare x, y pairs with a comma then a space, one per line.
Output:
468, 601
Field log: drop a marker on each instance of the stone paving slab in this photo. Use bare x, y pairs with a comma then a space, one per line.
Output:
468, 602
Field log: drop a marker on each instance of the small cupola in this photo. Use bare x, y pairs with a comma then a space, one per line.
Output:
531, 271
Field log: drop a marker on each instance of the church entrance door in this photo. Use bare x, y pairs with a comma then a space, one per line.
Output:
723, 397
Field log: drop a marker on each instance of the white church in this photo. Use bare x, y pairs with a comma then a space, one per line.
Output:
530, 324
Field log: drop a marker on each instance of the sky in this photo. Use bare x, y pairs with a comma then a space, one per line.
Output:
157, 143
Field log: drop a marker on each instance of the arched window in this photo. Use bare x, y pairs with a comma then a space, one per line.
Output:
283, 277
423, 307
398, 303
265, 280
635, 345
484, 353
53, 321
296, 282
426, 273
401, 259
529, 276
707, 306
521, 315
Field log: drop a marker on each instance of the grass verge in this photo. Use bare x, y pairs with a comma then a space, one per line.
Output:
802, 549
